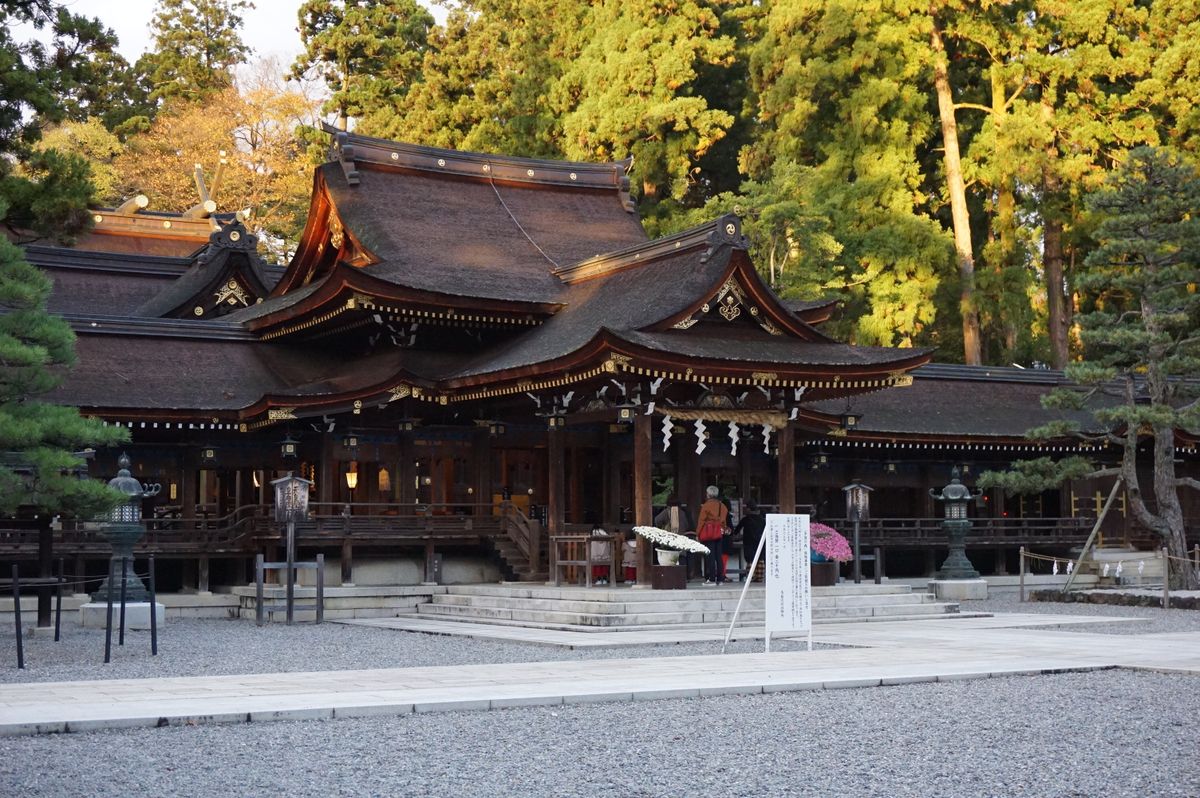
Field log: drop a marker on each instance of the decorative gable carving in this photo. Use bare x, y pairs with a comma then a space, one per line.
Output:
730, 303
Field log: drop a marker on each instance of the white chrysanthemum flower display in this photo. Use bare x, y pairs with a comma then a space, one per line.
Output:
669, 540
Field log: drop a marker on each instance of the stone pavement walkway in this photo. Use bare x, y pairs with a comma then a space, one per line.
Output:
882, 654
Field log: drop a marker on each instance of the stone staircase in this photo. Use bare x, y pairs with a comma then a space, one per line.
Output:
626, 609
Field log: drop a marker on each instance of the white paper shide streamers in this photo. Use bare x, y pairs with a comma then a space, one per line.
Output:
700, 444
733, 438
668, 426
767, 430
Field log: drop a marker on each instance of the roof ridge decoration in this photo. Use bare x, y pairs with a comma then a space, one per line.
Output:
725, 230
350, 149
214, 284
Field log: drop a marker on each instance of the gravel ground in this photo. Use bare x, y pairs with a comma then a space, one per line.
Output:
1155, 619
1111, 733
214, 647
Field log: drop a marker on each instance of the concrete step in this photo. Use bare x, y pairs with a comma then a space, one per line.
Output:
691, 602
678, 615
743, 622
621, 594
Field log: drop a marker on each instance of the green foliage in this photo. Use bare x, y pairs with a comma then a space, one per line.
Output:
91, 141
40, 437
369, 53
486, 79
632, 89
45, 194
42, 83
1036, 476
197, 44
843, 112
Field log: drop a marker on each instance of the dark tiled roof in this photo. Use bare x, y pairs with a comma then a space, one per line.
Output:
112, 293
959, 401
746, 346
624, 300
801, 306
465, 237
158, 373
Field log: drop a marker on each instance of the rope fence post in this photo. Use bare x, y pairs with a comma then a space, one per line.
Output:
1022, 572
153, 612
320, 588
16, 590
259, 612
124, 569
108, 618
1166, 579
62, 577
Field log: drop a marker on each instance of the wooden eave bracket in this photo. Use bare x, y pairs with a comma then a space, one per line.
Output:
343, 151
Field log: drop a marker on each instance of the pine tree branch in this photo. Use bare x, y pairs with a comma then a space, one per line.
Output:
1188, 482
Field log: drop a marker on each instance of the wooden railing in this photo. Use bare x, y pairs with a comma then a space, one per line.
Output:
524, 533
245, 529
923, 532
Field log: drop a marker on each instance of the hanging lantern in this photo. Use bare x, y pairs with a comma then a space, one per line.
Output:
352, 475
288, 447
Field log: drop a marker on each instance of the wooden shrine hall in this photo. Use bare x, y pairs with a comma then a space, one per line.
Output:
473, 354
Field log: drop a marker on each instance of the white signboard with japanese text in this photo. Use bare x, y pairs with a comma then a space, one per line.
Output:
789, 581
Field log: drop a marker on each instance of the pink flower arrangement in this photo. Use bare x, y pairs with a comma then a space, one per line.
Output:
829, 543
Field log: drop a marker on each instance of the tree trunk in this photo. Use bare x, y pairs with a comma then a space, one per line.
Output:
1182, 574
1057, 321
958, 201
1006, 218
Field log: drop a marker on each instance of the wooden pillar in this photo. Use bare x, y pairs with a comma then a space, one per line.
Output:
612, 480
743, 461
689, 487
187, 487
574, 509
787, 469
406, 473
347, 563
326, 483
643, 491
556, 465
481, 463
202, 575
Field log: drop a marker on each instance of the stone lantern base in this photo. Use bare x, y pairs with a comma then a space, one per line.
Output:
959, 589
94, 615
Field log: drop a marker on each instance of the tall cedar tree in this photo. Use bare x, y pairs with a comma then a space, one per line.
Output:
838, 198
632, 90
197, 44
1142, 344
486, 79
47, 198
368, 52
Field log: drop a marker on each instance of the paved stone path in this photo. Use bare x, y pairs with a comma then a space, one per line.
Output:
891, 653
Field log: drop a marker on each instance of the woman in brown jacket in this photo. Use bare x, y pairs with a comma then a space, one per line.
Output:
710, 528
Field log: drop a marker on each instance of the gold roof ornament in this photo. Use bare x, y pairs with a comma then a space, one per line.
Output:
208, 194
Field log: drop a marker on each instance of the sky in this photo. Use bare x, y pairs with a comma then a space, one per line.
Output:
269, 29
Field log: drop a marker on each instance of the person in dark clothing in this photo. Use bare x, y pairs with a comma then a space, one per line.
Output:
751, 529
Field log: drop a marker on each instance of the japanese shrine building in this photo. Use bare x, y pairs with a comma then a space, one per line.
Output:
465, 341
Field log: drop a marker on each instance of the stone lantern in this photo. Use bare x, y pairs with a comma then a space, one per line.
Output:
957, 578
123, 529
